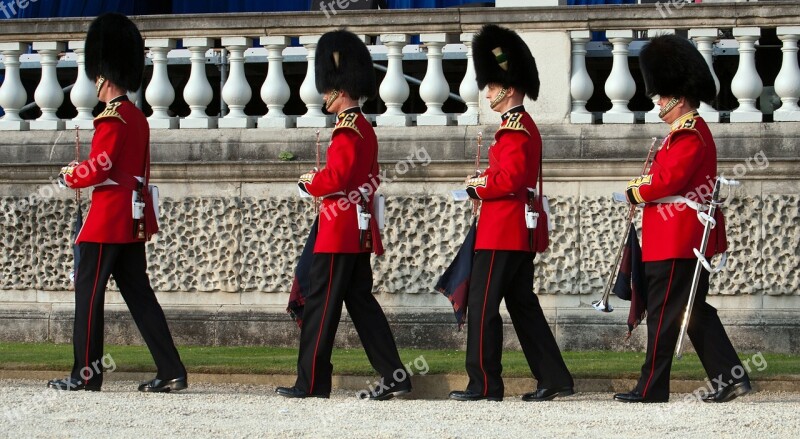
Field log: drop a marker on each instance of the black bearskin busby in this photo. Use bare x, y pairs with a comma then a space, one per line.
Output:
501, 57
344, 63
672, 66
115, 50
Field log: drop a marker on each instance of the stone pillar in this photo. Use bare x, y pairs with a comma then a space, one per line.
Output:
787, 84
160, 94
49, 95
620, 86
84, 93
314, 117
746, 84
12, 93
434, 89
394, 89
198, 93
580, 83
275, 91
236, 91
705, 39
469, 87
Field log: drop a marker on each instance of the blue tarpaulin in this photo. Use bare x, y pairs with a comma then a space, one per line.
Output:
91, 8
600, 2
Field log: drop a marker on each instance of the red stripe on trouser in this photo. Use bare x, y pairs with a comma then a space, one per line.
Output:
483, 316
658, 331
321, 325
91, 307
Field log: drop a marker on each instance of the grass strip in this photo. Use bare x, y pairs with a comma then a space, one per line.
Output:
272, 360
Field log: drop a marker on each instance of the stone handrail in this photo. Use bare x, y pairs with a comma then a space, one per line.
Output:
453, 20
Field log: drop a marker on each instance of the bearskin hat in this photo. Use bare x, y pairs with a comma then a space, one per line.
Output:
501, 57
115, 50
672, 66
344, 63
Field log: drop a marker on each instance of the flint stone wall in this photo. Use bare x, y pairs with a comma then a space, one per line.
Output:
233, 228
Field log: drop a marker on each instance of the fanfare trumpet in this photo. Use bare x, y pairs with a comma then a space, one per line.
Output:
603, 304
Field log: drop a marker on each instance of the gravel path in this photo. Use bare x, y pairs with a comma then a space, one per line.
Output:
235, 410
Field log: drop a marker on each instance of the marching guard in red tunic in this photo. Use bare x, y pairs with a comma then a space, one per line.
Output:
685, 166
112, 242
341, 272
503, 259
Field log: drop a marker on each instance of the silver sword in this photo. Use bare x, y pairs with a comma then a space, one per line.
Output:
702, 263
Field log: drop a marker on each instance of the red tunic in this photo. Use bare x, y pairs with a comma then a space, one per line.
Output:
502, 187
352, 162
685, 165
120, 140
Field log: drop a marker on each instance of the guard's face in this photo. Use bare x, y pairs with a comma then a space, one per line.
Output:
331, 98
663, 101
668, 106
497, 94
492, 90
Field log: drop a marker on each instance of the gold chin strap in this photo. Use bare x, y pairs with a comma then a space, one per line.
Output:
667, 108
98, 85
499, 98
332, 96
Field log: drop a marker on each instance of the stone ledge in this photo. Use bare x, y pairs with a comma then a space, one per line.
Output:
575, 329
571, 152
450, 20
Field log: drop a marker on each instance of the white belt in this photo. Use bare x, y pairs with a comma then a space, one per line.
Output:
110, 182
679, 199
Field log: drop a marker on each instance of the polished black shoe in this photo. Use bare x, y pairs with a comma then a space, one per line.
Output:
466, 395
635, 397
157, 385
729, 393
294, 392
382, 394
548, 394
72, 384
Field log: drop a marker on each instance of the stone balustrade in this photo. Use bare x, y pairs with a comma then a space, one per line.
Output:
564, 72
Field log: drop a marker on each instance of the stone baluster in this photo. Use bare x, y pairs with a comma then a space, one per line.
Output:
314, 117
159, 93
198, 93
236, 91
49, 95
746, 84
434, 89
652, 115
580, 84
84, 93
468, 90
787, 84
12, 93
275, 91
394, 89
620, 86
705, 38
